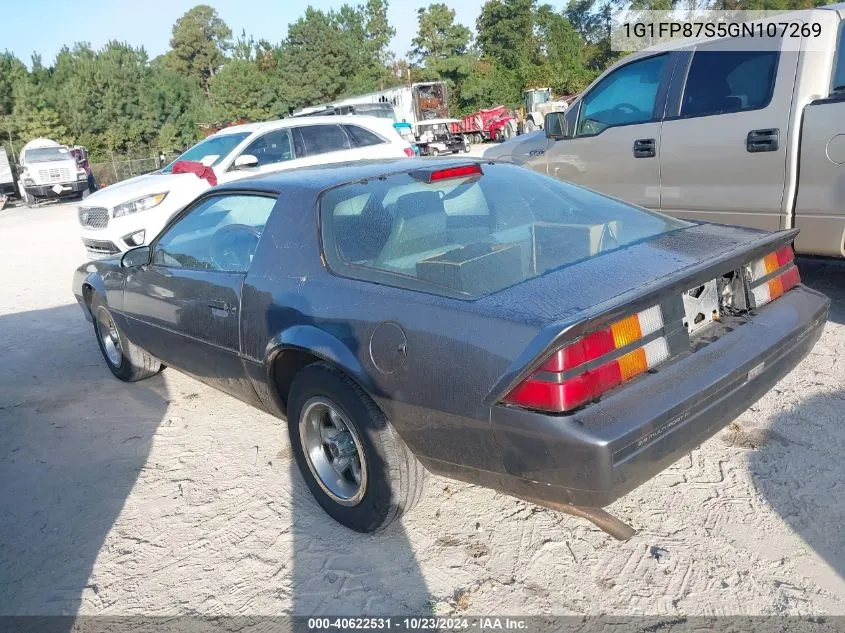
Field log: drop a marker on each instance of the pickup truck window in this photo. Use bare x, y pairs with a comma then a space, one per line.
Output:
721, 82
625, 96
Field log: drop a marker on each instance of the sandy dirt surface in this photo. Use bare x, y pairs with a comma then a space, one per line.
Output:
167, 497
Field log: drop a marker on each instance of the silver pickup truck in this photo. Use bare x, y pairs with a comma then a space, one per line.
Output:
723, 130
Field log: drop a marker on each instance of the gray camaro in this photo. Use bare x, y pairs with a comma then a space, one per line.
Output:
473, 319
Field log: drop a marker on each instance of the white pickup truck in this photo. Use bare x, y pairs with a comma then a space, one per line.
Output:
48, 171
722, 130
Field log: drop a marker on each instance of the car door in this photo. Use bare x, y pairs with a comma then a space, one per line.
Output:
369, 144
323, 143
184, 306
614, 147
273, 151
723, 153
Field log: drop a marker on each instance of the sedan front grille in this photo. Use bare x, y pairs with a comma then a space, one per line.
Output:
94, 217
55, 174
100, 247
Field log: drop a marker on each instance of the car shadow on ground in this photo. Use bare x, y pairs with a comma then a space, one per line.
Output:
827, 276
73, 441
798, 466
799, 469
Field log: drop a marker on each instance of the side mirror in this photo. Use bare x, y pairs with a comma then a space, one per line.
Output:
554, 125
136, 257
246, 161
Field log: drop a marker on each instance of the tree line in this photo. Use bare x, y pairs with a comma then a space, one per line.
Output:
118, 100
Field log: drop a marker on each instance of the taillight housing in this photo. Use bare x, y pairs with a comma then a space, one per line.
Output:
594, 364
770, 276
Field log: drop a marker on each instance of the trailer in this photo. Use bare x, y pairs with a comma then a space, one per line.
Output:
489, 124
7, 177
413, 103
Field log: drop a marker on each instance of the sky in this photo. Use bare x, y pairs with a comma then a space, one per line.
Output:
44, 26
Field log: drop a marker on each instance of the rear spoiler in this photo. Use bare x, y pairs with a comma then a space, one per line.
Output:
560, 333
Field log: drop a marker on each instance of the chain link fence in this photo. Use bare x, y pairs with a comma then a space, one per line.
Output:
117, 169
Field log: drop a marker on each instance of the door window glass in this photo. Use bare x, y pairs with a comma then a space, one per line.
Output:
627, 95
219, 234
724, 81
320, 139
362, 137
274, 147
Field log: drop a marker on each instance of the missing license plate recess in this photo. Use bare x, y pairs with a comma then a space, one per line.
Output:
701, 306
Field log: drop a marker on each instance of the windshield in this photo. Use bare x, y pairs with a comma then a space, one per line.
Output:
47, 154
468, 237
212, 150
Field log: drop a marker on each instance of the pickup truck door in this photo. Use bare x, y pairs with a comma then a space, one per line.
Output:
724, 142
184, 307
615, 146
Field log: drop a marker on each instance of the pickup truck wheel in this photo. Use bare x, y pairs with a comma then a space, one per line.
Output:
356, 466
125, 360
435, 151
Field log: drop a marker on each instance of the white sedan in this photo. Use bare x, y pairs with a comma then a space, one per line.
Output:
131, 213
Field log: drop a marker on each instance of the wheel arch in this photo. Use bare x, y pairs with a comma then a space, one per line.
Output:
92, 284
299, 346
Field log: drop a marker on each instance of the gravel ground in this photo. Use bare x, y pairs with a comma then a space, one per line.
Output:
167, 497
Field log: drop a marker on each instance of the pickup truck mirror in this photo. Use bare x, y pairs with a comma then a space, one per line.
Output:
136, 257
245, 161
555, 125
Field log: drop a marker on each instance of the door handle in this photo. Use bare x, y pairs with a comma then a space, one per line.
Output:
645, 148
222, 308
762, 140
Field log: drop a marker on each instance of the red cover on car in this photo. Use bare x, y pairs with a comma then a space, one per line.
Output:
196, 168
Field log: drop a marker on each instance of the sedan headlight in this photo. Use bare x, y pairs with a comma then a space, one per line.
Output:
141, 204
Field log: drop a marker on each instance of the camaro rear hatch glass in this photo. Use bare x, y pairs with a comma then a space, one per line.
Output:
469, 236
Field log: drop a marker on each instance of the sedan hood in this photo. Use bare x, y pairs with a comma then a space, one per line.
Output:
141, 186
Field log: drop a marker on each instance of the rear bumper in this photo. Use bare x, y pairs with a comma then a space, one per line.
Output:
595, 456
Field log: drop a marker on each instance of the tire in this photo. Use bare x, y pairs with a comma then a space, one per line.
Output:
390, 479
126, 361
435, 151
479, 139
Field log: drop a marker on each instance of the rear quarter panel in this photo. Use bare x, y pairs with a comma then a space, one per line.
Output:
454, 354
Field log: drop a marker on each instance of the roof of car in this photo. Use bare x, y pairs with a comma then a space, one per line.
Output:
320, 177
291, 121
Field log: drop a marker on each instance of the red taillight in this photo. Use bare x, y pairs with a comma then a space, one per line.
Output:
546, 389
409, 152
455, 172
767, 291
